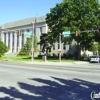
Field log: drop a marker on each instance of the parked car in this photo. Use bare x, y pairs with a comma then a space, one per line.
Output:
95, 59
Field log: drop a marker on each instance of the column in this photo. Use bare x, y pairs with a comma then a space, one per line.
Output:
38, 33
11, 42
46, 28
2, 37
20, 43
7, 39
15, 42
25, 37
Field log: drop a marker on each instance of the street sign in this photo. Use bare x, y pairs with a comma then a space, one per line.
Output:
66, 33
27, 33
32, 50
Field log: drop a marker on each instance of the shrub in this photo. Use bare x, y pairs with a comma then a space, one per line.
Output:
84, 57
2, 56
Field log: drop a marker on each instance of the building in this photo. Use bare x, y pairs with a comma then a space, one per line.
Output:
16, 42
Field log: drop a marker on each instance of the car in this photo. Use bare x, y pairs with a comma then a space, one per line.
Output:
94, 58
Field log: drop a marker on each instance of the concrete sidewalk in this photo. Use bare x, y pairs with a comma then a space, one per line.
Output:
50, 63
57, 63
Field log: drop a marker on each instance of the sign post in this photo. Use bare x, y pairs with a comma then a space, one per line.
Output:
32, 42
59, 47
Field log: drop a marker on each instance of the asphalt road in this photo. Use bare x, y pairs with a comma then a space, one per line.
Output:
22, 81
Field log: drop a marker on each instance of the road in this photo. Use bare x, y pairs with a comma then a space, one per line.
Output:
21, 81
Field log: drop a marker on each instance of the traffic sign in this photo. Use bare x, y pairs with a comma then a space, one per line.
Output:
59, 51
32, 50
27, 33
66, 33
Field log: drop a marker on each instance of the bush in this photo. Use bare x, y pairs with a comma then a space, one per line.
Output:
84, 57
23, 52
55, 55
2, 56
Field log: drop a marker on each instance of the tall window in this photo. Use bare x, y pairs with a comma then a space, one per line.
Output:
17, 42
64, 46
58, 46
41, 47
5, 38
41, 30
70, 46
22, 38
34, 31
53, 46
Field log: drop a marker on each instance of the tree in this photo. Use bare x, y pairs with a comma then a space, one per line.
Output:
3, 48
94, 47
28, 45
75, 15
99, 49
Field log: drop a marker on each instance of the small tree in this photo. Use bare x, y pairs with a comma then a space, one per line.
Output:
3, 48
94, 47
28, 45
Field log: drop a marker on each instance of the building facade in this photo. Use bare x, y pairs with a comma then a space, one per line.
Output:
16, 42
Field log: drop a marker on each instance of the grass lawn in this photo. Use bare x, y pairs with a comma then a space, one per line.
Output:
27, 58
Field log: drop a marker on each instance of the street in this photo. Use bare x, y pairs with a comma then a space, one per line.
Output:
23, 81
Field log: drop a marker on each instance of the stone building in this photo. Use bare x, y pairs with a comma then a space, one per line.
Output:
16, 42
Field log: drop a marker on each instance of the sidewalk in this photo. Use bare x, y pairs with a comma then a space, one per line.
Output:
49, 63
57, 63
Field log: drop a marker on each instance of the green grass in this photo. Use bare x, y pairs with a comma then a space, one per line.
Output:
27, 58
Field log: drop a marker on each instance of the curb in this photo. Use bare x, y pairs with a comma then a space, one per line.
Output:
49, 63
56, 63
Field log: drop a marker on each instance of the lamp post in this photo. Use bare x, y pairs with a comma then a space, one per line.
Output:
32, 41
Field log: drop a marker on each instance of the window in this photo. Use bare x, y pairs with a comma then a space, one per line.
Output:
27, 30
70, 46
22, 38
34, 31
5, 38
64, 46
58, 46
53, 46
41, 47
17, 40
40, 29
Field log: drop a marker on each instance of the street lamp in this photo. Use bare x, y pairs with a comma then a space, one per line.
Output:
32, 41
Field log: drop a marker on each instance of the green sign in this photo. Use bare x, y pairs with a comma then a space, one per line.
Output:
27, 33
66, 33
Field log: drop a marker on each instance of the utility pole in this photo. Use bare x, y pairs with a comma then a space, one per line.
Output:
32, 42
59, 47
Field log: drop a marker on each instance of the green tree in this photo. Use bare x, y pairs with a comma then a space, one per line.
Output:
94, 47
75, 15
99, 48
3, 48
28, 45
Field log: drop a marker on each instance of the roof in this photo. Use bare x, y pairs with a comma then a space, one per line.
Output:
23, 22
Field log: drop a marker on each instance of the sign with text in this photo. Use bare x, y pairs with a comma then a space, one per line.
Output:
66, 33
27, 33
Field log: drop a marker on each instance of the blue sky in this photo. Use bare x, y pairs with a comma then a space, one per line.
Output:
13, 10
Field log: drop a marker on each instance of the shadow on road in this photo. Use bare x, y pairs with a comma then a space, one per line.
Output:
59, 89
